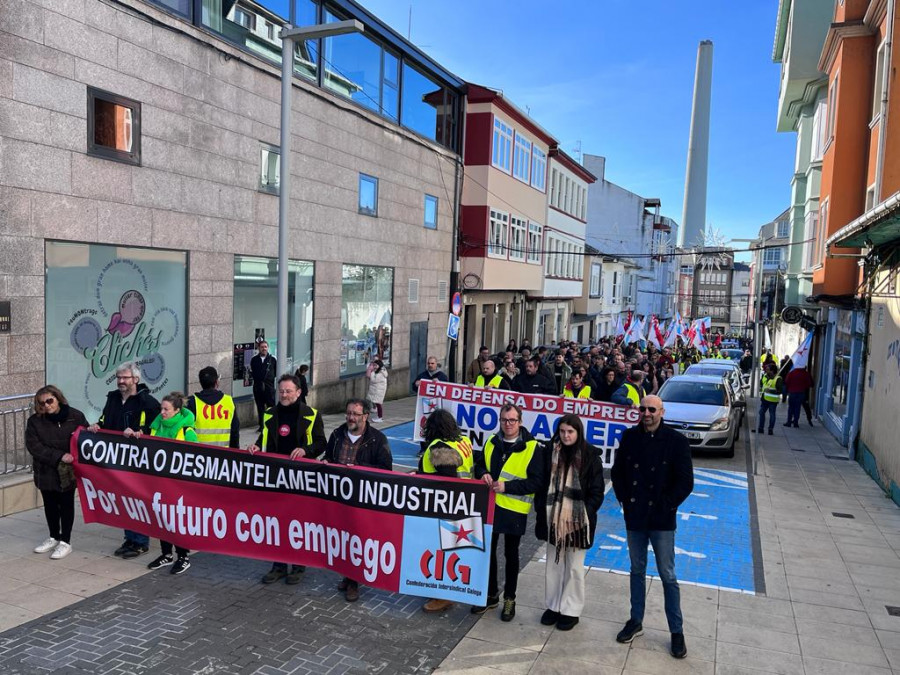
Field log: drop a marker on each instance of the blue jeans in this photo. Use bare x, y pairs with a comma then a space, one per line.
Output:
795, 402
663, 542
137, 538
763, 407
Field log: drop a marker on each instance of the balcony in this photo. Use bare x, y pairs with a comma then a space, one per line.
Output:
659, 223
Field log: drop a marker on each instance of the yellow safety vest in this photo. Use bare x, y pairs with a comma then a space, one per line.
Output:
633, 394
309, 429
769, 389
494, 383
584, 392
463, 446
213, 422
514, 468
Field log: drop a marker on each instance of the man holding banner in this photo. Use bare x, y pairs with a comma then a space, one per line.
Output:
512, 466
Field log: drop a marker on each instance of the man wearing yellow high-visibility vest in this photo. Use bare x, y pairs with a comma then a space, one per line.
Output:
448, 452
771, 387
215, 420
512, 466
489, 378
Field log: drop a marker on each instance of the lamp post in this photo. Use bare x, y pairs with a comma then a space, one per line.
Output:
289, 36
757, 324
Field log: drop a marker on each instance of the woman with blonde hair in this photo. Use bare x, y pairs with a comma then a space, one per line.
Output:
47, 436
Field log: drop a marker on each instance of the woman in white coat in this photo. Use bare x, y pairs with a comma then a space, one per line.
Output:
378, 378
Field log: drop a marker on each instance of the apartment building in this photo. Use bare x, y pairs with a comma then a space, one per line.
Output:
140, 219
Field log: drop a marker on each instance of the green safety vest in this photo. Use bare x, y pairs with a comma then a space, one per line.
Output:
514, 468
633, 394
213, 422
179, 436
769, 389
494, 383
309, 429
463, 446
584, 392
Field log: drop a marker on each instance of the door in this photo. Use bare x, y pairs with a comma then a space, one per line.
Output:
418, 348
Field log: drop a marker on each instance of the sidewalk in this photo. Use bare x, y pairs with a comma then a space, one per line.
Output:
828, 580
829, 540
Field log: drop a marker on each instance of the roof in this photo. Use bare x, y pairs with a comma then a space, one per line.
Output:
877, 226
478, 93
567, 161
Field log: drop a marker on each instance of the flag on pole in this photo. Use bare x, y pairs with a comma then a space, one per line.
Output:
635, 331
628, 319
801, 356
618, 328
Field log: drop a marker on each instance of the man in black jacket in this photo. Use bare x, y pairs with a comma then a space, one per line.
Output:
652, 475
531, 381
357, 443
129, 407
215, 420
263, 367
290, 428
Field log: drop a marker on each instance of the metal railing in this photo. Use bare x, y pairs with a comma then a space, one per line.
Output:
14, 414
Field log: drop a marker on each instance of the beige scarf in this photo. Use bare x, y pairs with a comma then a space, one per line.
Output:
566, 513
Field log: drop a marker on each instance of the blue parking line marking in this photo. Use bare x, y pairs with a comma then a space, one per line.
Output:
712, 541
404, 449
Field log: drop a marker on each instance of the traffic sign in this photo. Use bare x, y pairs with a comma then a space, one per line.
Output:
453, 327
456, 304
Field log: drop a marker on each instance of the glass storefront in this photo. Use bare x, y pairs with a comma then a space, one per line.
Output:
367, 308
843, 343
106, 305
256, 314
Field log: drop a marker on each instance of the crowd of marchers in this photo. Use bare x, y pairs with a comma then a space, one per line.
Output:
561, 479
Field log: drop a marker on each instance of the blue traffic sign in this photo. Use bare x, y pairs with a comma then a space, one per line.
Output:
453, 327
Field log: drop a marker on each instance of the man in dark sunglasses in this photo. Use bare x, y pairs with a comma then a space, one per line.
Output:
652, 475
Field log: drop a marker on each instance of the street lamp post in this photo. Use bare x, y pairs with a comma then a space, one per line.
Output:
289, 36
757, 325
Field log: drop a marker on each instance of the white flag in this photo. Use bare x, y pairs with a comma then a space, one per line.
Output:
801, 356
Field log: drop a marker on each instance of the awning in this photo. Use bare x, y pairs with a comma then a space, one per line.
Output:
877, 226
582, 318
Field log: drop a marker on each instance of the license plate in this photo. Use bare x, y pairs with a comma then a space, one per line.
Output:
693, 435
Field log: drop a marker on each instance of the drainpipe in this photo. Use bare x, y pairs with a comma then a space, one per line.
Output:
859, 394
885, 94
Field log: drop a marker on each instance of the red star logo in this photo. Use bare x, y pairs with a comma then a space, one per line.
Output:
462, 534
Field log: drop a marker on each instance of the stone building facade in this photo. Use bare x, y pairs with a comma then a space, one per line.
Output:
195, 218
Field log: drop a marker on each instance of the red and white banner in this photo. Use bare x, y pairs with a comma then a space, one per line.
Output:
477, 412
405, 533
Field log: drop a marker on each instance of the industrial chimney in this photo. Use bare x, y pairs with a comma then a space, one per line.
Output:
693, 219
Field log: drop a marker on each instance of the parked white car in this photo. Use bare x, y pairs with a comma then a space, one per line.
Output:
704, 410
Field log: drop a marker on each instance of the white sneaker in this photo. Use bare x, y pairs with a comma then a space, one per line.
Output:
47, 545
61, 551
375, 419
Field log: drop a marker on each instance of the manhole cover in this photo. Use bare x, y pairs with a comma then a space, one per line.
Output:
842, 515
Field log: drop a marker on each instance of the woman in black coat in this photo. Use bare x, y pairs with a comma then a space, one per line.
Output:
47, 437
566, 510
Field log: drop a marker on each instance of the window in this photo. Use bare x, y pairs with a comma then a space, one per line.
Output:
368, 195
538, 168
810, 234
431, 212
352, 67
522, 158
269, 169
270, 31
879, 81
502, 149
615, 286
367, 309
517, 231
497, 235
85, 284
783, 229
243, 17
427, 107
535, 242
255, 307
182, 7
596, 278
822, 235
832, 111
113, 127
390, 95
306, 53
553, 189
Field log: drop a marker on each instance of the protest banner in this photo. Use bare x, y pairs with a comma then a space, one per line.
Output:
477, 412
405, 533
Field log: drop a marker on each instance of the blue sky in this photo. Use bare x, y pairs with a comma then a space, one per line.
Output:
618, 75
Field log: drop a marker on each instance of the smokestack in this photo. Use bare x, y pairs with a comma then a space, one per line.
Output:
693, 219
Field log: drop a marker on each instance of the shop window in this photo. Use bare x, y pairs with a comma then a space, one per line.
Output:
182, 7
106, 305
368, 195
256, 315
269, 169
431, 212
113, 127
367, 308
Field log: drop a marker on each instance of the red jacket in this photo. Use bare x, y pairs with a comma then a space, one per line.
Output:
798, 381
